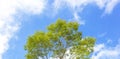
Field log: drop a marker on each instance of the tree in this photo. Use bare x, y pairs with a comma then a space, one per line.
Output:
60, 37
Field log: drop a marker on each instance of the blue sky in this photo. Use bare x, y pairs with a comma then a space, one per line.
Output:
97, 18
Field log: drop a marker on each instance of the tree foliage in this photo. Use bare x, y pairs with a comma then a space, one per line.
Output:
60, 37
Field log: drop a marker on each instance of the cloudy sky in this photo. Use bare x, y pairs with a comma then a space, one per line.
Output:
21, 18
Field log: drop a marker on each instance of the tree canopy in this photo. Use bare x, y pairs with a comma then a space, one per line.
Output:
61, 40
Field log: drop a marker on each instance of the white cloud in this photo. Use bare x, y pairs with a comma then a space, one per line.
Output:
103, 52
57, 4
99, 47
8, 24
78, 19
79, 5
107, 5
110, 6
101, 3
32, 6
75, 6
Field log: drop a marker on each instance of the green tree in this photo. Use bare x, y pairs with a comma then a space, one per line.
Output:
60, 37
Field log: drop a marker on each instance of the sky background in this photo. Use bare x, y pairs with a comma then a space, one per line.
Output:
97, 18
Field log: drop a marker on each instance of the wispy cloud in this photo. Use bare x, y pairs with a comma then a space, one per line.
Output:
78, 19
110, 6
8, 24
102, 34
101, 51
77, 6
100, 3
107, 5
